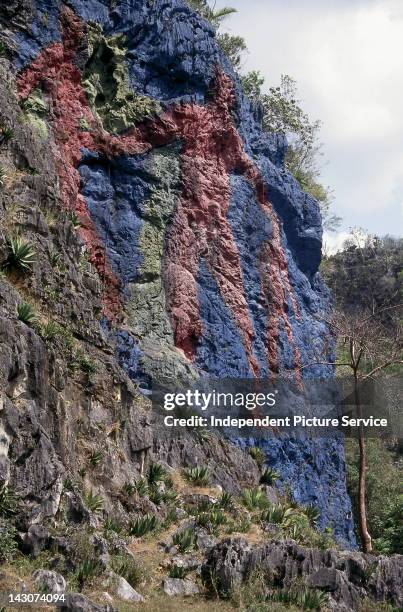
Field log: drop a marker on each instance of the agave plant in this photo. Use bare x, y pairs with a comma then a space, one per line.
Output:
257, 454
312, 513
50, 331
143, 525
86, 570
21, 254
129, 568
269, 476
3, 49
198, 476
95, 458
156, 473
226, 500
2, 176
6, 134
274, 514
129, 489
185, 540
310, 599
93, 502
178, 571
254, 499
26, 313
141, 487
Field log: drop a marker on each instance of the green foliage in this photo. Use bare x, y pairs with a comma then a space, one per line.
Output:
8, 541
73, 218
226, 500
143, 525
304, 597
367, 275
6, 134
178, 571
254, 499
311, 513
128, 568
269, 476
185, 540
84, 363
93, 502
95, 458
210, 14
2, 176
274, 514
141, 487
156, 473
21, 254
283, 114
8, 502
86, 571
128, 489
257, 454
198, 476
233, 47
112, 525
50, 331
26, 313
3, 49
383, 493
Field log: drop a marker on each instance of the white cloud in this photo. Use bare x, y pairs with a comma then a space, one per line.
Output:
347, 57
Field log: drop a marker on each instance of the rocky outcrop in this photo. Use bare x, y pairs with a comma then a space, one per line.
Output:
347, 577
171, 243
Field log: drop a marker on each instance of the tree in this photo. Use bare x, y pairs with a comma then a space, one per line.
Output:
368, 348
232, 47
282, 113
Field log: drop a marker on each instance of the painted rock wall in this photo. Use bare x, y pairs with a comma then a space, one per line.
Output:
207, 249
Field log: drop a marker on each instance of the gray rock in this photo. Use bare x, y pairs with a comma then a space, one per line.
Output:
188, 562
126, 592
204, 540
226, 565
35, 540
49, 581
179, 587
76, 602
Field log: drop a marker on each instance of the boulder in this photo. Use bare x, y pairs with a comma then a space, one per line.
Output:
125, 591
35, 540
76, 602
49, 581
180, 587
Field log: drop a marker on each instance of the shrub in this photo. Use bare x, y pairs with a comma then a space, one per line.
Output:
257, 454
2, 176
310, 599
311, 513
254, 499
269, 476
197, 476
93, 502
8, 502
26, 313
225, 501
84, 363
86, 571
96, 458
21, 254
74, 220
143, 525
128, 568
3, 49
185, 540
156, 473
8, 543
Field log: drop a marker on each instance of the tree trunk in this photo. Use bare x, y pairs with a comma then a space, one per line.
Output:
366, 540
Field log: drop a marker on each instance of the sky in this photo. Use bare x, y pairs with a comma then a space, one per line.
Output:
347, 57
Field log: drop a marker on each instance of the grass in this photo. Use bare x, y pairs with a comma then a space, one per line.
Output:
198, 476
86, 571
8, 502
26, 313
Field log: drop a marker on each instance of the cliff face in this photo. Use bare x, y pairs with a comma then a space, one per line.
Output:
203, 251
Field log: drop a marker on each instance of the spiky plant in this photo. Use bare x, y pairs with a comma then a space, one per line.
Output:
312, 513
269, 476
156, 473
21, 254
141, 487
178, 571
2, 176
87, 570
226, 500
74, 220
26, 313
50, 331
310, 599
274, 514
257, 454
6, 134
129, 568
110, 524
93, 502
95, 458
254, 499
128, 489
198, 476
3, 49
185, 540
143, 525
